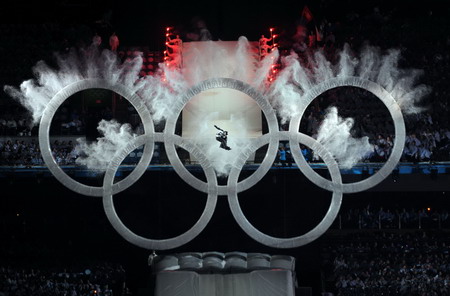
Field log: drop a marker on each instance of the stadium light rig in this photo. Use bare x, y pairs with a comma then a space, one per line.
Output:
275, 66
166, 52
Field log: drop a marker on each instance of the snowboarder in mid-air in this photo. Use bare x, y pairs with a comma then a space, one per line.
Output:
222, 136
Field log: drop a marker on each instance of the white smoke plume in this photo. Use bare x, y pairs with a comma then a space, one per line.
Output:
74, 66
288, 89
161, 91
288, 93
98, 155
205, 60
245, 59
334, 134
294, 82
263, 70
201, 61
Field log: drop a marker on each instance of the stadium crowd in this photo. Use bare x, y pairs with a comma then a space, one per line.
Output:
27, 153
102, 280
371, 217
384, 263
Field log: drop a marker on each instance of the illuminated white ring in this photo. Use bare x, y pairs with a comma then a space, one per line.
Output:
317, 231
399, 141
44, 137
162, 244
238, 85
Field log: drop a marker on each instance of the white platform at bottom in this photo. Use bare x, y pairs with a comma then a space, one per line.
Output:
272, 282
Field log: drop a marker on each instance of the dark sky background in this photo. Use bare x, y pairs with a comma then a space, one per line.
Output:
144, 21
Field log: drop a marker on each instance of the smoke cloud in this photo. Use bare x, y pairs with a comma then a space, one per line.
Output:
294, 82
288, 93
160, 92
207, 60
98, 155
74, 66
334, 134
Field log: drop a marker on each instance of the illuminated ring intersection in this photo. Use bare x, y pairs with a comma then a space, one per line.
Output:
162, 244
233, 187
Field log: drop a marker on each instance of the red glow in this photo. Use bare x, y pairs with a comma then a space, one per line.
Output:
168, 28
271, 29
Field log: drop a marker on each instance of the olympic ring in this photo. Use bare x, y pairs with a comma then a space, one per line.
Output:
399, 125
245, 88
44, 135
162, 244
316, 231
211, 186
